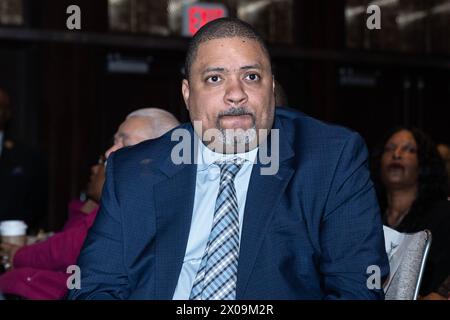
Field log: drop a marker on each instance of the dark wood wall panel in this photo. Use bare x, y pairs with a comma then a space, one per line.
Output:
70, 104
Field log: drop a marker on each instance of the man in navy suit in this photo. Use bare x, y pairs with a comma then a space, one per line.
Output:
219, 226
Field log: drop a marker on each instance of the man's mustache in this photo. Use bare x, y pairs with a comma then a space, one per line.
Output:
240, 111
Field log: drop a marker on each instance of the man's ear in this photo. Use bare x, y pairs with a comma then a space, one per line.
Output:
185, 92
274, 83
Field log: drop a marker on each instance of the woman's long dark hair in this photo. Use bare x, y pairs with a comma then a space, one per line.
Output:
432, 177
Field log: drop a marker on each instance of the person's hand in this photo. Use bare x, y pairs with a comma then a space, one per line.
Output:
89, 206
7, 252
433, 296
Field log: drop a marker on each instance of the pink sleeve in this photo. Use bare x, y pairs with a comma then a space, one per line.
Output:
75, 214
34, 284
55, 253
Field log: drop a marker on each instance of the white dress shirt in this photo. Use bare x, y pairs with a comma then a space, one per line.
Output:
206, 191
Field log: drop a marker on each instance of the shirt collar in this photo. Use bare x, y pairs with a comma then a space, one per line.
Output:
207, 157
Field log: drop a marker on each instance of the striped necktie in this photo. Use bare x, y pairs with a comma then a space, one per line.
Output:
217, 275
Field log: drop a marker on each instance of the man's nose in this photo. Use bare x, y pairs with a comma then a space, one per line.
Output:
115, 147
235, 93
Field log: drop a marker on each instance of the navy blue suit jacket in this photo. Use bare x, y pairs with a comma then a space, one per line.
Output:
309, 232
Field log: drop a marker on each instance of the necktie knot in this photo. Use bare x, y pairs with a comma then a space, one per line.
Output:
229, 168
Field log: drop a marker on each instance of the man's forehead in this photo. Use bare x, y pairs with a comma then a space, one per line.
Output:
133, 126
225, 69
130, 124
219, 49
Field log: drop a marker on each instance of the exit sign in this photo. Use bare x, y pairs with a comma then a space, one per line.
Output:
197, 15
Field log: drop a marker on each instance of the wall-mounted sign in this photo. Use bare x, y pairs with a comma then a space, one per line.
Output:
198, 14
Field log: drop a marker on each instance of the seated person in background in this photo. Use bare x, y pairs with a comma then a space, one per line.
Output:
142, 124
281, 99
39, 270
23, 176
412, 190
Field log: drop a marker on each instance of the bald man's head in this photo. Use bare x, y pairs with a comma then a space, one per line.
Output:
140, 125
5, 109
160, 121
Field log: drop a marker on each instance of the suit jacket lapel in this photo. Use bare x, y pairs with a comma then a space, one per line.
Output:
174, 201
264, 193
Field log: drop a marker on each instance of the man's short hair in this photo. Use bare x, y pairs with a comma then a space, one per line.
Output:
160, 121
219, 29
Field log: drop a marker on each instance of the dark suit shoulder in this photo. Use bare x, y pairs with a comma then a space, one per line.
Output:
153, 152
307, 130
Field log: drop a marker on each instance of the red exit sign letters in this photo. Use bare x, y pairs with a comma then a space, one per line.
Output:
197, 15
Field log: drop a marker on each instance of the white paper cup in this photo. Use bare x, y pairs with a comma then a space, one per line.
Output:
14, 232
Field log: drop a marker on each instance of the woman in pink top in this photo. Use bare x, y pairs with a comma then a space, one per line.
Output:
39, 271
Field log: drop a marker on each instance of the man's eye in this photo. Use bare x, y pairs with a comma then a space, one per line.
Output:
252, 77
213, 79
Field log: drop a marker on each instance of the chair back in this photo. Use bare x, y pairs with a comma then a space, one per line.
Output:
407, 258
